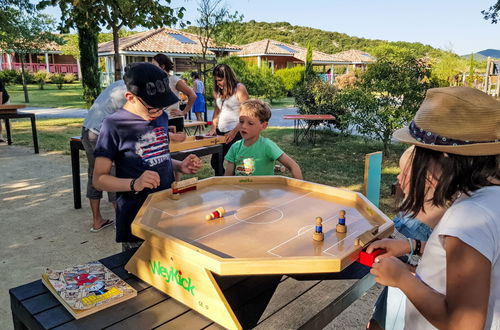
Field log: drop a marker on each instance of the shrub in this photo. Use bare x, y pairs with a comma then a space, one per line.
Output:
41, 77
69, 78
316, 97
8, 76
58, 79
28, 77
291, 77
273, 87
390, 94
346, 80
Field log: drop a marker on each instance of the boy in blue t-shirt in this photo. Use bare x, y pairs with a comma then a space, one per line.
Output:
255, 155
136, 139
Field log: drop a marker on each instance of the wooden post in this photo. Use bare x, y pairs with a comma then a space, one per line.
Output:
47, 62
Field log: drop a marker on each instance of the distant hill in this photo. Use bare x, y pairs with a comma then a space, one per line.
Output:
483, 55
325, 41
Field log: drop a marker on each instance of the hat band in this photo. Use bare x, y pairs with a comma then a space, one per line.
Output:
427, 137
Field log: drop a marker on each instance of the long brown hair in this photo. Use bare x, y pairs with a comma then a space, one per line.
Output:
457, 174
165, 63
225, 72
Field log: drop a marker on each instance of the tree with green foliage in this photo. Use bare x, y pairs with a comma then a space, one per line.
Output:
291, 77
82, 16
9, 10
25, 35
215, 22
325, 41
491, 14
447, 68
390, 93
115, 15
309, 71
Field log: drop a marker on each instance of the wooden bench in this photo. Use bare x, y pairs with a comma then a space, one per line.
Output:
75, 145
10, 111
196, 126
261, 302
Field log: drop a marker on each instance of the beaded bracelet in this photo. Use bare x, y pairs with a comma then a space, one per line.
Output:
411, 249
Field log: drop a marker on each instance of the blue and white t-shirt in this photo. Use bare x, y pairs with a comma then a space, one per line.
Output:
135, 145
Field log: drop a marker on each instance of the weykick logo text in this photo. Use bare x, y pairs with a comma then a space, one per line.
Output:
172, 275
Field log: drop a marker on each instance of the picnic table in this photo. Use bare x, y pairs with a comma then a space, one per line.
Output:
261, 302
195, 125
10, 111
75, 145
303, 126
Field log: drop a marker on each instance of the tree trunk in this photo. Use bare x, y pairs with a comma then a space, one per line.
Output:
87, 42
117, 57
25, 87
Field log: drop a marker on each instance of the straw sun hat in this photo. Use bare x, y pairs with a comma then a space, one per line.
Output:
456, 120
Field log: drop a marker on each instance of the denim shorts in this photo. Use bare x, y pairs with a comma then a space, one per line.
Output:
412, 227
89, 140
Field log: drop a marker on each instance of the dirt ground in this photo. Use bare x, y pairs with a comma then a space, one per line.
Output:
40, 228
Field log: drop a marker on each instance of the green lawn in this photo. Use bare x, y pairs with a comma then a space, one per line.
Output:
70, 96
336, 159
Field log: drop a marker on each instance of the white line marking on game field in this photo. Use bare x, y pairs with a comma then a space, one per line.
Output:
260, 213
296, 236
209, 234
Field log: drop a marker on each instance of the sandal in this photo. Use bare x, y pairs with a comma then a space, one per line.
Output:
107, 223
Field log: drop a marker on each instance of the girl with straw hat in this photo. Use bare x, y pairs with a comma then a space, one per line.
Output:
456, 132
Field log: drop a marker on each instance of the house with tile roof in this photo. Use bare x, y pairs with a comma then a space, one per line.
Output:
50, 59
280, 55
180, 46
357, 58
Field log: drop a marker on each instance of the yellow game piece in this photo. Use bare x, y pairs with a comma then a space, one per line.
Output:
318, 230
341, 226
218, 213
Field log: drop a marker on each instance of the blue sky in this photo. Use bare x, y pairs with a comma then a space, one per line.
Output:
447, 24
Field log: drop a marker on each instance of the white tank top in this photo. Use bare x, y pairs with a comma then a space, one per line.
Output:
172, 83
229, 115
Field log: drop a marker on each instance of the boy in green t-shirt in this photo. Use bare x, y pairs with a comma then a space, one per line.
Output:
255, 155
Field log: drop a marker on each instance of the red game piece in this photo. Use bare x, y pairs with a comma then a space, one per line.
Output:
368, 259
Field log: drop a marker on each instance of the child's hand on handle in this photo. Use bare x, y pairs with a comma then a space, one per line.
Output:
392, 247
230, 135
148, 179
389, 271
191, 164
212, 131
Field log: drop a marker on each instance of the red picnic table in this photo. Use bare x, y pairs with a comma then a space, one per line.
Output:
302, 125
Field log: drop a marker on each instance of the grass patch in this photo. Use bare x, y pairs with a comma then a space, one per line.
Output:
53, 134
336, 160
70, 96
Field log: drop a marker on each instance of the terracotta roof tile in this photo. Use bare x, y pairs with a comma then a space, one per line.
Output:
273, 47
161, 41
356, 56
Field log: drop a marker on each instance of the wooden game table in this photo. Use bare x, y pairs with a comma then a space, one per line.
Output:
267, 229
179, 150
10, 111
260, 302
303, 124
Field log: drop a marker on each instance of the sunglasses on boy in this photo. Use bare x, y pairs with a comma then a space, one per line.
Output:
150, 110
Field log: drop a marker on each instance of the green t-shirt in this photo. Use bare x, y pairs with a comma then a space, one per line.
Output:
257, 159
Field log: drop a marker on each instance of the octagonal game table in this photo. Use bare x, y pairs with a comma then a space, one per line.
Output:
267, 229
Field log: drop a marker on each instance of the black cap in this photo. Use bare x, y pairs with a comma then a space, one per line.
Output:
150, 83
